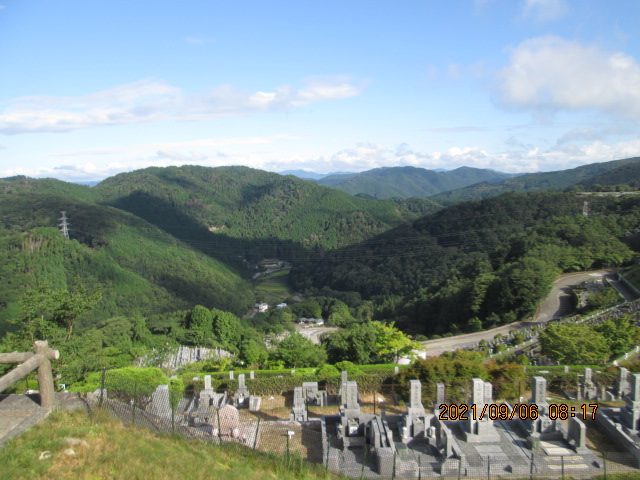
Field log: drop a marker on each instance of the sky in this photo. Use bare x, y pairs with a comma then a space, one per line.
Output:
91, 89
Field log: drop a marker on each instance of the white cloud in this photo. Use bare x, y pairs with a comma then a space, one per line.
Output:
545, 10
152, 100
175, 146
551, 73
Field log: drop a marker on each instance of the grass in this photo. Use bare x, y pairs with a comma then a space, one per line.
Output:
113, 451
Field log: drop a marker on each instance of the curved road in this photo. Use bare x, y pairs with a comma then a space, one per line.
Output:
557, 304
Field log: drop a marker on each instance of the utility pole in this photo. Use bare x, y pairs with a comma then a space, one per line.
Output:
64, 226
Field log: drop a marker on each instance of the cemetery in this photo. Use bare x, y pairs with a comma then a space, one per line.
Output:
479, 437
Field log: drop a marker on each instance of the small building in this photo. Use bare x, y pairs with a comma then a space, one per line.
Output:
262, 307
281, 305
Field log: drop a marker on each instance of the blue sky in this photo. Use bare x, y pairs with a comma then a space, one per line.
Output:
91, 89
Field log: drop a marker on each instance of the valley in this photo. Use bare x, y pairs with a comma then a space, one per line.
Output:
186, 255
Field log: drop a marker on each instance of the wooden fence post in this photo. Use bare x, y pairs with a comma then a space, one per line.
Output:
45, 376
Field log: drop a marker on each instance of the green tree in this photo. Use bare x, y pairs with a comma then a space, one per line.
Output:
298, 351
35, 320
226, 329
200, 326
620, 333
356, 344
574, 344
391, 343
252, 352
73, 303
521, 287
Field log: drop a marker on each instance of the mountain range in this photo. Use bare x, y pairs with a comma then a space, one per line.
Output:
404, 182
467, 183
161, 239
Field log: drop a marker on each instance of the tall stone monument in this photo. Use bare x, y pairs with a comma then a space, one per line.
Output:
480, 429
241, 397
299, 413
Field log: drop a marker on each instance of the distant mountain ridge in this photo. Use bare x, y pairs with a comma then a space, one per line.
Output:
405, 182
604, 173
306, 175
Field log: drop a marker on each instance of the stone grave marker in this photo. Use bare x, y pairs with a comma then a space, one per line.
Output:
440, 394
229, 421
299, 413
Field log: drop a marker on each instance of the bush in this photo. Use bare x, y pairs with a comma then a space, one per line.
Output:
349, 367
327, 371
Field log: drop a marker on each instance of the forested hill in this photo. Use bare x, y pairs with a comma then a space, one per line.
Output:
239, 211
136, 266
480, 263
404, 182
605, 173
151, 240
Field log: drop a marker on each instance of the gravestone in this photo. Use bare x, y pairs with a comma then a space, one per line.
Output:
160, 402
415, 421
480, 430
227, 421
543, 427
313, 395
588, 375
539, 394
242, 393
255, 403
630, 414
207, 382
231, 375
299, 413
351, 396
440, 394
415, 407
577, 435
343, 387
624, 388
589, 390
251, 375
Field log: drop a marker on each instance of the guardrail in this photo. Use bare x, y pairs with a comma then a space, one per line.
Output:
29, 361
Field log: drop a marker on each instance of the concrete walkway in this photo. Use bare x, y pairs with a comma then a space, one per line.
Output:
20, 412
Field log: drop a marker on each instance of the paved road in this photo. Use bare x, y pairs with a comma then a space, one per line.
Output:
557, 303
314, 333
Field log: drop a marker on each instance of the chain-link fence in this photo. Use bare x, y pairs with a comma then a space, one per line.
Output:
211, 416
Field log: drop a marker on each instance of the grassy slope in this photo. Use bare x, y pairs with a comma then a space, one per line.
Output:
117, 452
274, 288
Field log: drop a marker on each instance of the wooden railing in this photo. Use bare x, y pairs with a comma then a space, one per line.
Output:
29, 361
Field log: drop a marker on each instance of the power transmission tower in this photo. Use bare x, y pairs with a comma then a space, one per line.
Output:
64, 226
585, 209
